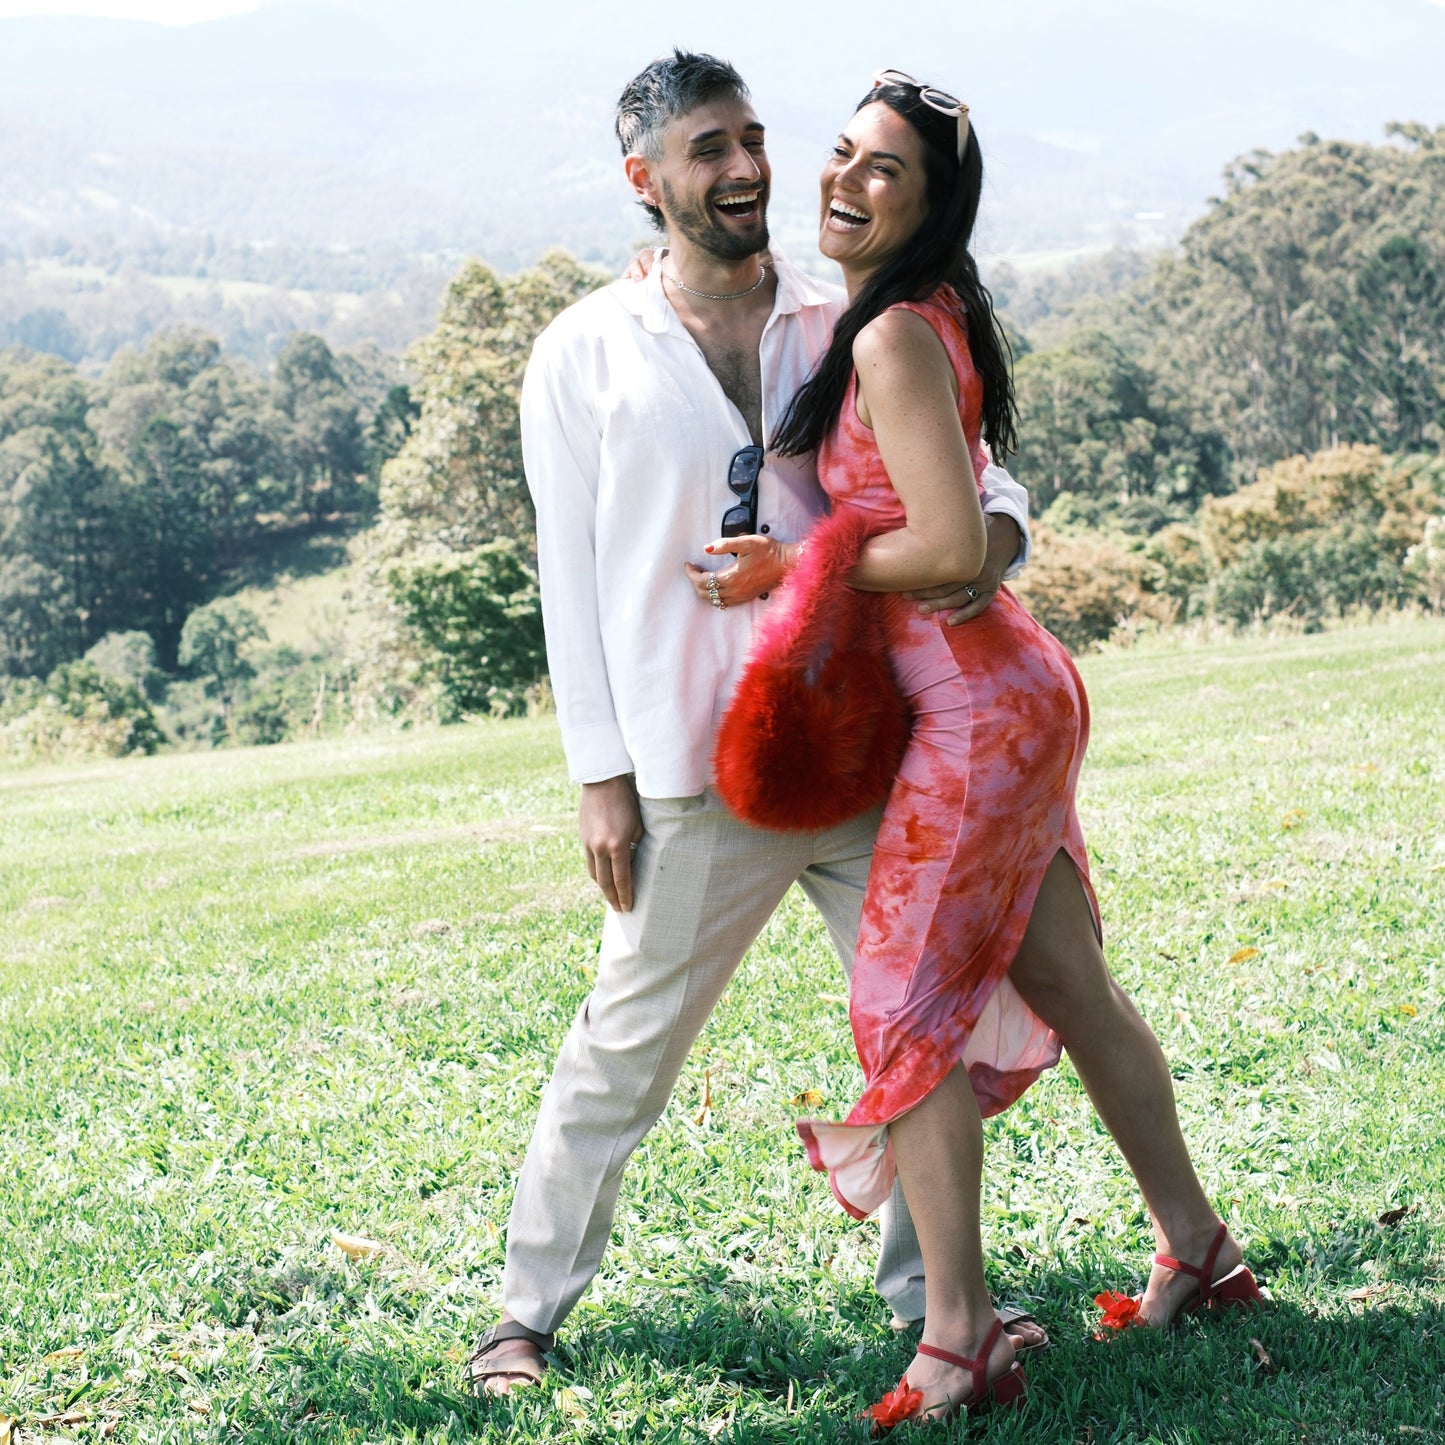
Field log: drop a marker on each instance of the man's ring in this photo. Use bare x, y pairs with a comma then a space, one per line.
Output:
633, 847
971, 592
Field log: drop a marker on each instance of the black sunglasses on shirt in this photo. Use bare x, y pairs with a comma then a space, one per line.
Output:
743, 470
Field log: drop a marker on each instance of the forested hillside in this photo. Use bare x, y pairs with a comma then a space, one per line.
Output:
1250, 428
327, 168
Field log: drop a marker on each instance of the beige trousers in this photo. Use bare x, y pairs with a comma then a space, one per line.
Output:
704, 886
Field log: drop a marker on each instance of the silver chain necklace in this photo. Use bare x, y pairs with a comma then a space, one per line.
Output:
716, 295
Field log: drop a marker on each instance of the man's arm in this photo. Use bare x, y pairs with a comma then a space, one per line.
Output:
561, 452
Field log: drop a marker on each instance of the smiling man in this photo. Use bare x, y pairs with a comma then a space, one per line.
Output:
645, 414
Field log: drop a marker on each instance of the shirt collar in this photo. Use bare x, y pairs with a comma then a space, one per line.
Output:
648, 301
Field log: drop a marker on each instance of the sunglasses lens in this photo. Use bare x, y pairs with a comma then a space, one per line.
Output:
744, 469
940, 100
736, 522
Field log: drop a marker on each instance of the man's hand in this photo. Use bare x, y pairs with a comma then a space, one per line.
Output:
610, 825
968, 600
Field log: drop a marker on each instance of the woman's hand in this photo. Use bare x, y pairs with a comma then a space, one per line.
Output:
761, 564
640, 265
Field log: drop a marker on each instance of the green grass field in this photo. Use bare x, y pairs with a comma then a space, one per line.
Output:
249, 999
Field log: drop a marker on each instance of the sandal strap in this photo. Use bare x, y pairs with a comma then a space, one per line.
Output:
477, 1366
1204, 1273
977, 1367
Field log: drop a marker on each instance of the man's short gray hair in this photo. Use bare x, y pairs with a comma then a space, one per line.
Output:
670, 87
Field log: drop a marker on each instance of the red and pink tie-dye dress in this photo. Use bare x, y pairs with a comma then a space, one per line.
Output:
983, 802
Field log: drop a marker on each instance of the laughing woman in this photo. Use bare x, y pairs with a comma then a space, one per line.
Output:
979, 956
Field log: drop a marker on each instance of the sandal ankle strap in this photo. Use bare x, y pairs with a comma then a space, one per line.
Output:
1204, 1273
977, 1367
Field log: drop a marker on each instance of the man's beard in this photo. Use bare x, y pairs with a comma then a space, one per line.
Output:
703, 229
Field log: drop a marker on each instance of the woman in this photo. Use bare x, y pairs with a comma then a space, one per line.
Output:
979, 954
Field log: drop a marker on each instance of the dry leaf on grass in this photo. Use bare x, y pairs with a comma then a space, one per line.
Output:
1262, 1355
841, 998
808, 1099
1242, 955
7, 1430
355, 1246
1394, 1216
705, 1113
1292, 820
1369, 1292
70, 1352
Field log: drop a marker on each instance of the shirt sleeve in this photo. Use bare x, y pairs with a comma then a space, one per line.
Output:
561, 451
1002, 496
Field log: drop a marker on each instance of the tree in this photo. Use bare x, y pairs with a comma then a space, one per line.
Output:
457, 481
479, 613
325, 446
1307, 309
212, 646
128, 657
60, 515
455, 487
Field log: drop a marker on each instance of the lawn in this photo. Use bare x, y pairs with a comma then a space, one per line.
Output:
250, 1000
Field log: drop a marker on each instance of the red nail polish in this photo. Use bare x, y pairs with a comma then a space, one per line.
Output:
707, 549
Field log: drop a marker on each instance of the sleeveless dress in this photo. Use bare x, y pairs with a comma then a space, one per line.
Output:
983, 802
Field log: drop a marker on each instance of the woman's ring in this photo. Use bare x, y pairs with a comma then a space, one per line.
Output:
971, 592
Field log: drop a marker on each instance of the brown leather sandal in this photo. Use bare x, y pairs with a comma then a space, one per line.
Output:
480, 1367
1010, 1317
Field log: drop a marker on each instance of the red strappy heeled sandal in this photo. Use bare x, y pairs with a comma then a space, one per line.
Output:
1238, 1288
905, 1403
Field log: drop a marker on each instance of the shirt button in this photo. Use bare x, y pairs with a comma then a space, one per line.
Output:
762, 596
764, 529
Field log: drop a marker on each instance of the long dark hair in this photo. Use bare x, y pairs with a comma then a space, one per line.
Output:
937, 253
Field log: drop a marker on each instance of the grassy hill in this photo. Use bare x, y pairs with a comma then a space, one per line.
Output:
251, 998
301, 589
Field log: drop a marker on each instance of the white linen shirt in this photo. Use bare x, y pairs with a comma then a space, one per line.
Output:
626, 438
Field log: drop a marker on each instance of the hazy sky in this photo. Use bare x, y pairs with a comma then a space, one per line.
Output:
163, 12
181, 12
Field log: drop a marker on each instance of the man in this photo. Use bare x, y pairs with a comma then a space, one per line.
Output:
634, 403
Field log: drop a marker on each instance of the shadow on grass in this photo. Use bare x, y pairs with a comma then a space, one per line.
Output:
730, 1365
660, 1377
295, 552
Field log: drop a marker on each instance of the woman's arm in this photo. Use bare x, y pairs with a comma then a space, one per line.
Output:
907, 393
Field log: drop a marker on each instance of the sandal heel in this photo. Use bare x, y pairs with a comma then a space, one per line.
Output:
1237, 1290
1008, 1391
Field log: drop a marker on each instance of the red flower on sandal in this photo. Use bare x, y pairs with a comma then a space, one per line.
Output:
896, 1406
1120, 1311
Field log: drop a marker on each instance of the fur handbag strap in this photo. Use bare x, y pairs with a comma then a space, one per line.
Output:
806, 615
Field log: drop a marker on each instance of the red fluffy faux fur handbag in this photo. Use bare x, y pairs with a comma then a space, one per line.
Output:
817, 726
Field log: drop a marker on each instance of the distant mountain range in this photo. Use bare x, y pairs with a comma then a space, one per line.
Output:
485, 128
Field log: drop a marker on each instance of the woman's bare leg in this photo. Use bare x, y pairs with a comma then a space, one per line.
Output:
1061, 974
938, 1148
